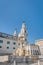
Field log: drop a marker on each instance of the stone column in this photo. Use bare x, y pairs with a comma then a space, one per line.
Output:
39, 62
14, 63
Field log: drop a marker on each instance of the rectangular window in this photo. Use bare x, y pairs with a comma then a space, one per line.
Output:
8, 42
13, 47
0, 46
14, 43
1, 41
7, 47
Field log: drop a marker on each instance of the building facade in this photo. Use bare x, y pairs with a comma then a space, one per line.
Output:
18, 45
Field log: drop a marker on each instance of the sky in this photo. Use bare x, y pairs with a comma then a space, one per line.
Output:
14, 12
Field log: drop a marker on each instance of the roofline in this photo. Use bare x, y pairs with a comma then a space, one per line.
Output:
6, 33
38, 40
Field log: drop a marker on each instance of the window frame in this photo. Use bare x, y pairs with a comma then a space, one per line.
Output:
14, 43
0, 46
7, 47
1, 41
8, 42
13, 47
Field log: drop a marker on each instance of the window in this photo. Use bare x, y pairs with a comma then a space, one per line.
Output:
1, 41
14, 43
13, 47
0, 46
25, 31
25, 39
37, 52
7, 47
8, 42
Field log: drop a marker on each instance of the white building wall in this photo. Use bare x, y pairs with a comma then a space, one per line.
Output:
34, 49
40, 44
10, 45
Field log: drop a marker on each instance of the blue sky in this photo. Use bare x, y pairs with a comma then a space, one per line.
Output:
14, 12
